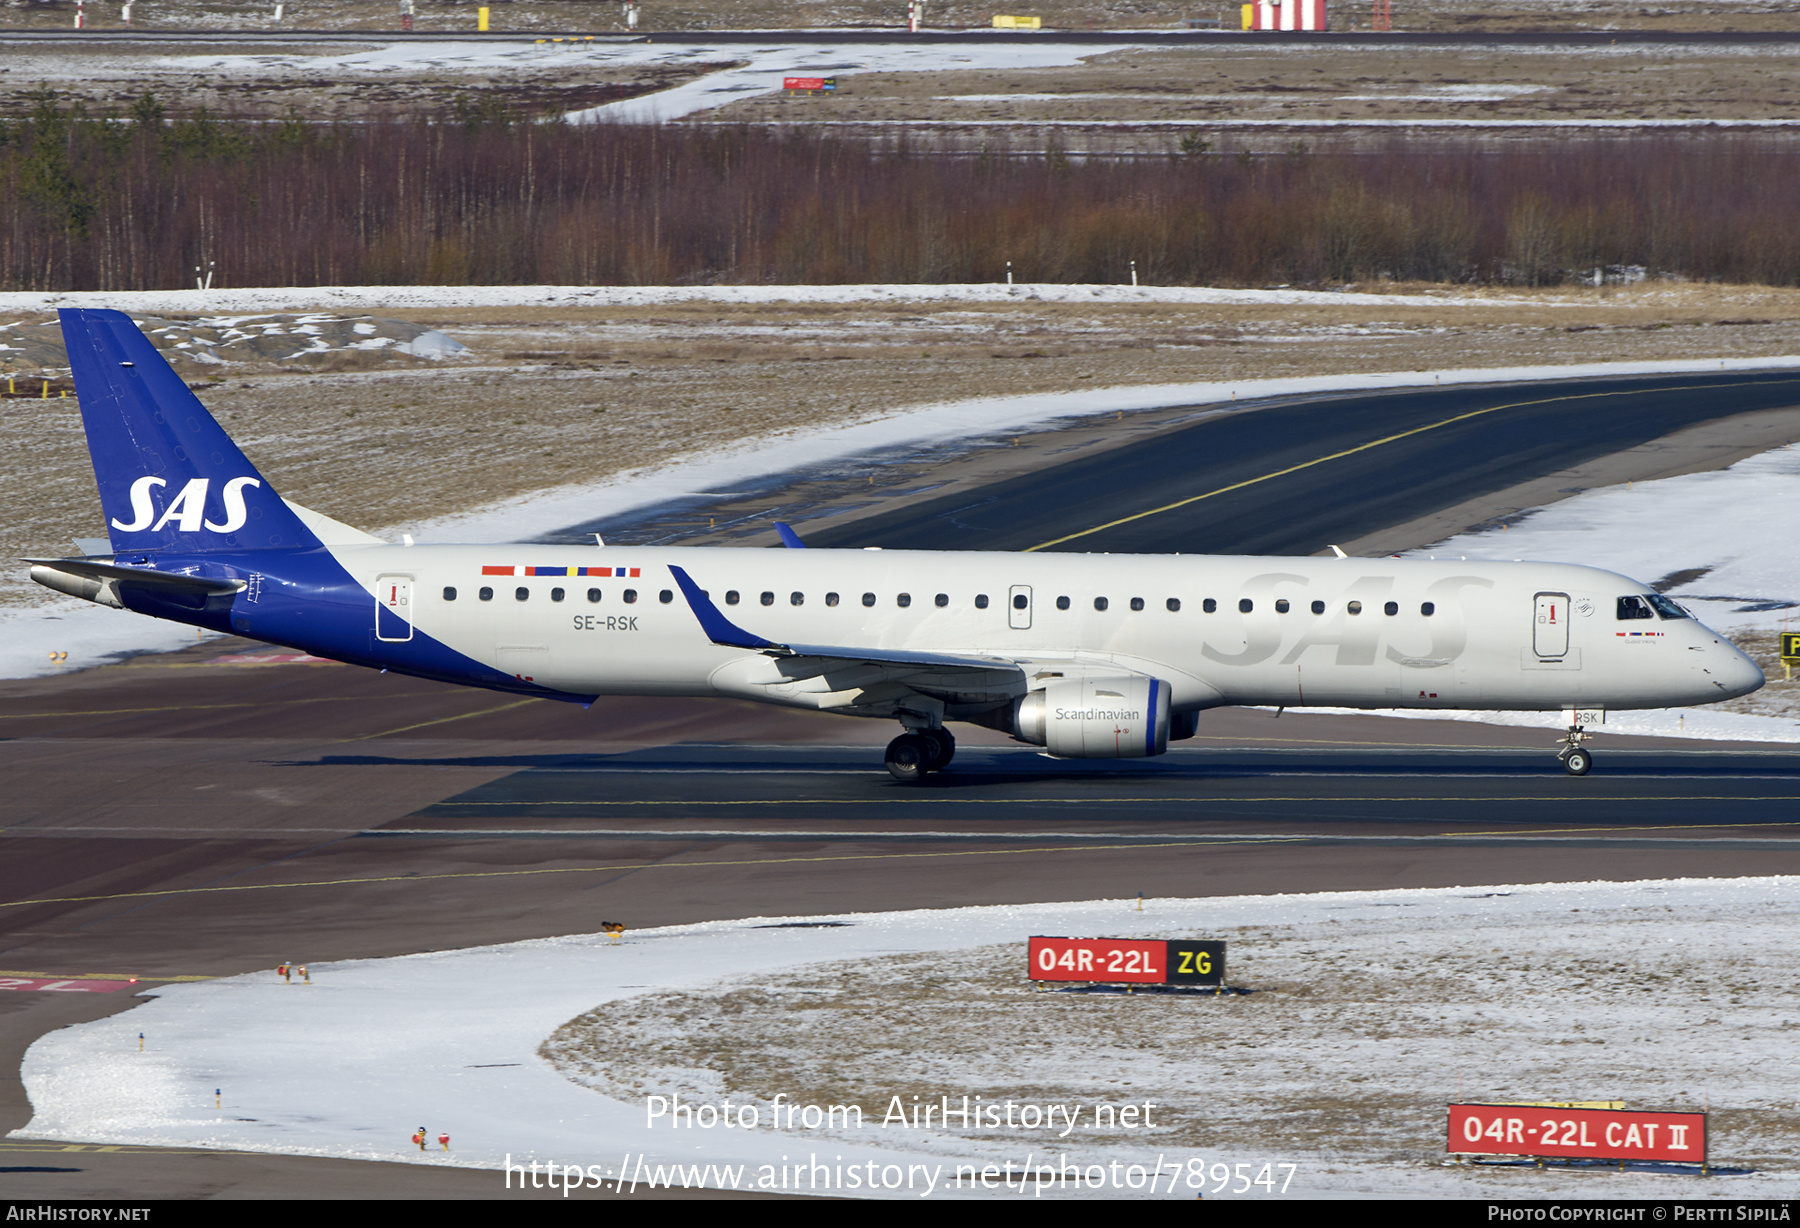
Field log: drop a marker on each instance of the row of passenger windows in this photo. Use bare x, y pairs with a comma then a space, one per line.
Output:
1020, 601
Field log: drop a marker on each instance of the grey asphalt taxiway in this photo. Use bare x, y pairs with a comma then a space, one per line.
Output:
216, 811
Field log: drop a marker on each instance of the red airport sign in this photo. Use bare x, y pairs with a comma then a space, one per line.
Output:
1590, 1134
809, 83
1131, 961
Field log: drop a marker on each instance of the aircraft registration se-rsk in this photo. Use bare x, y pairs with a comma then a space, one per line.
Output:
1088, 656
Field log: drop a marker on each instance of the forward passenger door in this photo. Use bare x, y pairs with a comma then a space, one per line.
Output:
1550, 628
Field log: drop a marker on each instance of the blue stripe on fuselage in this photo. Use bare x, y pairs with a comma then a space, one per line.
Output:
305, 599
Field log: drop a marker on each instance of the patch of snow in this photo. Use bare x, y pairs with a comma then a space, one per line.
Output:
1703, 723
90, 634
351, 1064
432, 344
759, 68
762, 68
1725, 520
375, 298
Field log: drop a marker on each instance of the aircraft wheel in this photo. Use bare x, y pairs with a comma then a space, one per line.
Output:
909, 758
1577, 762
943, 747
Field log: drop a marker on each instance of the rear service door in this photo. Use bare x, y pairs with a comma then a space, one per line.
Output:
393, 609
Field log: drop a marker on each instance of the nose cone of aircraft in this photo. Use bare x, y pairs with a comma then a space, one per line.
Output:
1729, 669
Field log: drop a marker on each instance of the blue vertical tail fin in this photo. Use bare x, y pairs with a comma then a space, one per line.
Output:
170, 477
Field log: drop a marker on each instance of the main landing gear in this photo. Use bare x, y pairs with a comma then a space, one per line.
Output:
913, 756
1575, 760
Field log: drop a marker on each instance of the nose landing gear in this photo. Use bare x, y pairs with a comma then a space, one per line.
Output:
1575, 760
913, 756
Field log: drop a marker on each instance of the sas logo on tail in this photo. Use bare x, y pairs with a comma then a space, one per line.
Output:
188, 509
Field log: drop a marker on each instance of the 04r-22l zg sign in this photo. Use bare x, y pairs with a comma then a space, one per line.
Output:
1131, 961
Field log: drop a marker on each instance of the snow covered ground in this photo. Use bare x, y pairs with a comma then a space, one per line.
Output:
286, 298
764, 67
305, 338
1670, 995
1714, 523
758, 68
1720, 520
1705, 723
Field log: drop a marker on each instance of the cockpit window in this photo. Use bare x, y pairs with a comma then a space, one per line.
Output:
1666, 608
1633, 607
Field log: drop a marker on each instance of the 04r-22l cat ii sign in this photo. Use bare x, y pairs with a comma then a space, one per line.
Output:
1088, 656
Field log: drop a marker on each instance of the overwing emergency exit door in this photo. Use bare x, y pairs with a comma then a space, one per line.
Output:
1018, 607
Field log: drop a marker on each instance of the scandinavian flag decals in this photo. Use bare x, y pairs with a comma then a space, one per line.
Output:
622, 572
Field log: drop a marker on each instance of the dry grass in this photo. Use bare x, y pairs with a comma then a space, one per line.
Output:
1218, 81
1240, 96
1346, 83
309, 80
558, 15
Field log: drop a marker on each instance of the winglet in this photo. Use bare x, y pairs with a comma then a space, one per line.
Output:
789, 538
718, 628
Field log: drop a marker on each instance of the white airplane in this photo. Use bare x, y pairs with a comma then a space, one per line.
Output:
1088, 656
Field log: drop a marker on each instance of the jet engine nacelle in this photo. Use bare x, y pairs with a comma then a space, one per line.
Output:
1097, 718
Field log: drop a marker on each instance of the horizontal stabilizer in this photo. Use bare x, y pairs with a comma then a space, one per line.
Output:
99, 582
139, 575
